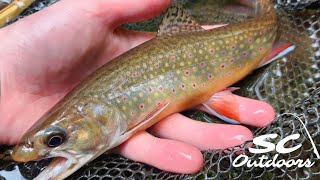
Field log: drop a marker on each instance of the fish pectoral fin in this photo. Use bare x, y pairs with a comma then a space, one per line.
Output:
176, 20
135, 125
278, 51
224, 106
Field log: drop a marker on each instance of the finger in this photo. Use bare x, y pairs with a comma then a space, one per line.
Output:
244, 110
202, 135
167, 155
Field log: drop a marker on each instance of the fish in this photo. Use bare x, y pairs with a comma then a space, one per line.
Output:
182, 67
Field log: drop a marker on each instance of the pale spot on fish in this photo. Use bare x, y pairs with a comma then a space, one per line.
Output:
97, 110
118, 100
258, 40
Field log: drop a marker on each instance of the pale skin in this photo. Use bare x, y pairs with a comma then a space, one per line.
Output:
46, 54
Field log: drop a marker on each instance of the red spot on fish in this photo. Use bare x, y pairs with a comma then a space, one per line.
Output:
149, 89
187, 72
233, 46
244, 53
160, 88
157, 65
173, 90
159, 104
182, 85
173, 58
211, 51
202, 64
260, 48
232, 60
250, 40
190, 54
124, 98
210, 76
194, 85
141, 106
222, 66
223, 53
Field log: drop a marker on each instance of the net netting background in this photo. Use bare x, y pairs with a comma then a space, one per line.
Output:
292, 84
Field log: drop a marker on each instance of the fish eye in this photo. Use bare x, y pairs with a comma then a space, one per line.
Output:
55, 140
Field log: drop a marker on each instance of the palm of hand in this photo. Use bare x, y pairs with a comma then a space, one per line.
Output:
51, 60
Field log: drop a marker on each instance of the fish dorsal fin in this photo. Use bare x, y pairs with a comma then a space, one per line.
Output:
176, 20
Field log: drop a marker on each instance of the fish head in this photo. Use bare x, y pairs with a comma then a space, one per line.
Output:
72, 138
36, 145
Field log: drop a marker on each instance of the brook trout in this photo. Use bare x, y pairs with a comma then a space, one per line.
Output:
181, 68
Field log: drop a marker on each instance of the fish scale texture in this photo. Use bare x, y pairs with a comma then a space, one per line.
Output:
291, 84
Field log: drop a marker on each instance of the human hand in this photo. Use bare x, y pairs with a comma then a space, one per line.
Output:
42, 60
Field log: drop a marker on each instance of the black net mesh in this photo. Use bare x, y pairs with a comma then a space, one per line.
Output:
290, 85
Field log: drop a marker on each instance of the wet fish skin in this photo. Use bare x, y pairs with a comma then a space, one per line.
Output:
167, 74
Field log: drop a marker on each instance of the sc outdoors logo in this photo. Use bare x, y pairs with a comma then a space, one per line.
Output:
264, 161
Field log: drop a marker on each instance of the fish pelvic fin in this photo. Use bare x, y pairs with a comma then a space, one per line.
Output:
176, 20
224, 106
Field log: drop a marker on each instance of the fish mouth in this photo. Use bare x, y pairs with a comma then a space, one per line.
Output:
63, 165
